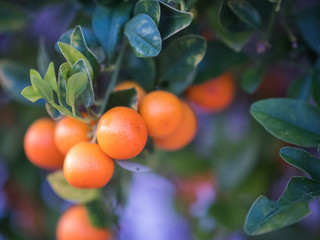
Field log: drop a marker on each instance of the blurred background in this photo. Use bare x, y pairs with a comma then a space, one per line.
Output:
201, 192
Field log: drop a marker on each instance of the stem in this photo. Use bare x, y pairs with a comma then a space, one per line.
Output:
113, 79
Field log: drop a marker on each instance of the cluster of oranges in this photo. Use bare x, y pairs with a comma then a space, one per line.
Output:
121, 133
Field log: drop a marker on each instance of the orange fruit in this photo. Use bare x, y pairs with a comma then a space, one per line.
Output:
181, 136
122, 133
87, 166
40, 147
75, 224
132, 84
69, 132
213, 95
162, 111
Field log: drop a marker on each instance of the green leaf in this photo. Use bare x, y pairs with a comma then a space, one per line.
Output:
265, 215
14, 77
53, 112
149, 7
65, 71
172, 20
252, 78
30, 94
308, 21
290, 120
67, 192
125, 98
301, 88
179, 60
143, 71
51, 78
97, 213
72, 55
40, 86
108, 3
76, 84
132, 166
78, 41
108, 25
246, 12
234, 40
12, 17
217, 60
315, 89
302, 160
143, 36
43, 58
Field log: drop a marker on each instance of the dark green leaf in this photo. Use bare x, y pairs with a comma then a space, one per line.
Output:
108, 3
246, 12
172, 20
143, 71
302, 160
14, 77
125, 98
12, 17
77, 41
132, 166
217, 60
265, 215
40, 86
290, 120
43, 58
149, 7
30, 94
143, 36
98, 214
234, 40
53, 113
76, 84
67, 192
108, 25
72, 55
316, 87
301, 88
179, 60
51, 78
308, 21
252, 78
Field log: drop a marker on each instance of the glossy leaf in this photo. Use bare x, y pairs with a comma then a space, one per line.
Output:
149, 7
217, 60
172, 20
234, 40
30, 94
43, 58
12, 17
14, 77
143, 71
290, 120
301, 88
180, 59
132, 166
40, 86
67, 192
108, 25
143, 36
76, 84
302, 160
252, 78
266, 215
51, 78
246, 12
72, 55
125, 98
315, 89
78, 41
308, 22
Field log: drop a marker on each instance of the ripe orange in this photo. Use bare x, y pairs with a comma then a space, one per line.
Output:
87, 166
122, 133
181, 136
213, 95
132, 84
69, 132
75, 224
162, 111
39, 145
